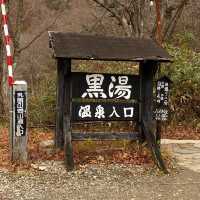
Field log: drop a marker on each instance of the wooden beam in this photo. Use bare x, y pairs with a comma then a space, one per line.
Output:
147, 72
79, 46
104, 136
61, 70
68, 149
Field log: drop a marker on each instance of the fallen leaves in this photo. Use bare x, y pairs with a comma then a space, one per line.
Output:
181, 133
88, 152
4, 148
112, 152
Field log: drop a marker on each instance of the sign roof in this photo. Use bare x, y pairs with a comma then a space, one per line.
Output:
90, 47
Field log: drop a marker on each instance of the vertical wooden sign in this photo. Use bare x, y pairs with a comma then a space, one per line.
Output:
19, 125
162, 99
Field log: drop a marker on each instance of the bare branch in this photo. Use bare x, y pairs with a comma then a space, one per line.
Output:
39, 34
17, 34
109, 10
98, 20
171, 26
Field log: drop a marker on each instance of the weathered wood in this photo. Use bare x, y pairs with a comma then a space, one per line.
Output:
68, 149
151, 140
90, 47
11, 127
158, 133
147, 71
67, 46
19, 116
104, 136
61, 70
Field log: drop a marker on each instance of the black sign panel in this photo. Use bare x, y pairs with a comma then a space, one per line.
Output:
161, 112
162, 91
20, 113
105, 86
104, 111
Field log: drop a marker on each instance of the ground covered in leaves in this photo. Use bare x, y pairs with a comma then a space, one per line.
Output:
90, 152
181, 133
87, 152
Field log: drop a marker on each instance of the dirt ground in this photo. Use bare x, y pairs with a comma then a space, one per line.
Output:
123, 175
99, 182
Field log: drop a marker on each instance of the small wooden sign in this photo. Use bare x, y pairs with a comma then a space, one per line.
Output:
20, 113
162, 91
104, 111
105, 86
19, 132
161, 112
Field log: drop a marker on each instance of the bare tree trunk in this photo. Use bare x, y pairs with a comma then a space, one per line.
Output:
171, 21
131, 16
158, 22
142, 8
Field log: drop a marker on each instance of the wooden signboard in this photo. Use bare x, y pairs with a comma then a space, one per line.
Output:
105, 86
108, 97
104, 111
102, 87
19, 140
161, 112
20, 113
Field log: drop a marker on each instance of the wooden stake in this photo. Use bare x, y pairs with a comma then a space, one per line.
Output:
19, 133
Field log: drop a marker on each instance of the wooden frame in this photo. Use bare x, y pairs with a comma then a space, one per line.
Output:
147, 69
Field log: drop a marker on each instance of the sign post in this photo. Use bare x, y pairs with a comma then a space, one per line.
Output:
19, 122
106, 97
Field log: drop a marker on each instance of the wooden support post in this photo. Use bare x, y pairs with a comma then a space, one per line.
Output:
158, 132
19, 131
147, 71
68, 149
59, 135
146, 79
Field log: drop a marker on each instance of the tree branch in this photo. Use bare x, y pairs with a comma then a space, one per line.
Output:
97, 22
109, 10
39, 34
171, 26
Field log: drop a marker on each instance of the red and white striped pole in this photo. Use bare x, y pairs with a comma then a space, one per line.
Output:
7, 43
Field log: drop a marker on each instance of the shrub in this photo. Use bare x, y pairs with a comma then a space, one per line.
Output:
185, 74
41, 107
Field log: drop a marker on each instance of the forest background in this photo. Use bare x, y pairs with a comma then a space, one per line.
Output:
30, 22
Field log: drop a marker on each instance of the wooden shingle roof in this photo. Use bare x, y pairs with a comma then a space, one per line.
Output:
89, 47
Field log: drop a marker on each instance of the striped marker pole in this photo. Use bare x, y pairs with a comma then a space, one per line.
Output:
7, 43
9, 58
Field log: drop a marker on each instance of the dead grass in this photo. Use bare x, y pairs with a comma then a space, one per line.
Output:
84, 152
